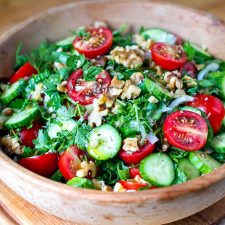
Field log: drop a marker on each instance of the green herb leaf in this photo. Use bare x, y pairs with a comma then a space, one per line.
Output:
57, 176
190, 51
80, 182
123, 171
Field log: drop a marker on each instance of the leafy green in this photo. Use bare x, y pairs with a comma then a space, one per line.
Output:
57, 176
90, 72
80, 182
177, 154
123, 171
75, 61
65, 114
20, 59
42, 142
108, 171
180, 176
190, 51
27, 152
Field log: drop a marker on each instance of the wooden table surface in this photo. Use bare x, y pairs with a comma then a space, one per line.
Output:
11, 13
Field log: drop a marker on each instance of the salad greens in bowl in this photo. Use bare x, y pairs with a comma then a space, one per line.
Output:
116, 110
123, 119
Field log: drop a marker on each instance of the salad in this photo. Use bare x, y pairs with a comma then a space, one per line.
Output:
114, 110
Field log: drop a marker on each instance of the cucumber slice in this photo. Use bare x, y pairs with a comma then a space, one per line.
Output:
201, 53
66, 41
159, 35
203, 162
190, 171
56, 127
191, 109
158, 169
12, 92
104, 142
218, 78
218, 143
22, 118
156, 89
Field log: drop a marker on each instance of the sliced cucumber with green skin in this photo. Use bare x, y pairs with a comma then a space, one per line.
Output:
159, 35
203, 162
66, 41
158, 169
104, 142
218, 143
201, 53
22, 118
56, 127
187, 167
156, 89
218, 78
201, 113
12, 92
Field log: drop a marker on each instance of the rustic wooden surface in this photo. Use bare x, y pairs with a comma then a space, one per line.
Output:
15, 210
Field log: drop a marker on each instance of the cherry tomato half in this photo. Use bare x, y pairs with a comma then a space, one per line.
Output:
168, 57
132, 185
27, 135
186, 130
85, 92
69, 161
44, 165
23, 72
136, 157
212, 106
134, 171
98, 42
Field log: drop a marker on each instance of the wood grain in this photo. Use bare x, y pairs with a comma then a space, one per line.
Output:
12, 12
15, 210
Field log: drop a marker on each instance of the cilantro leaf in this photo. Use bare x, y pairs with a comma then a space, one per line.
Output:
75, 61
42, 142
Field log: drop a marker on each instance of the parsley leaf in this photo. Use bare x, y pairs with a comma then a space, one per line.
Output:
65, 114
42, 142
190, 51
75, 61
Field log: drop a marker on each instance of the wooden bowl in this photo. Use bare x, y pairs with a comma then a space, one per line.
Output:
94, 207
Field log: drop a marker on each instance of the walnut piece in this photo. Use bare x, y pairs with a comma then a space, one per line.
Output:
130, 91
115, 83
62, 87
142, 43
36, 94
100, 185
137, 78
173, 80
119, 188
130, 145
11, 145
86, 168
130, 56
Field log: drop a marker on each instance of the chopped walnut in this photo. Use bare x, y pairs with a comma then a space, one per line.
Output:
173, 80
86, 168
100, 185
189, 81
99, 61
11, 145
142, 43
139, 180
179, 92
137, 78
117, 83
165, 145
156, 67
58, 65
130, 145
153, 99
96, 116
62, 87
98, 24
130, 91
36, 94
7, 111
119, 188
130, 56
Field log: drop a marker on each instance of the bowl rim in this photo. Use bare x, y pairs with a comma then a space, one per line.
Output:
165, 193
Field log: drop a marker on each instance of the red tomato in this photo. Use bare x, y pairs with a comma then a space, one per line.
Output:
168, 57
190, 69
27, 135
186, 130
83, 91
132, 185
69, 161
213, 108
134, 171
98, 43
44, 165
23, 72
136, 157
